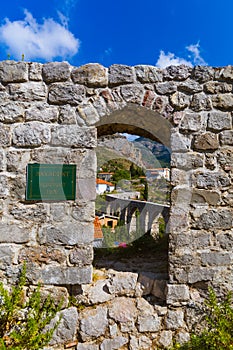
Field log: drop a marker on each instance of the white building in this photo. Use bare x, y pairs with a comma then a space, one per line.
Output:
158, 173
103, 186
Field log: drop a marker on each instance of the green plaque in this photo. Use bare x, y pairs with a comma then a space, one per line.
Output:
51, 182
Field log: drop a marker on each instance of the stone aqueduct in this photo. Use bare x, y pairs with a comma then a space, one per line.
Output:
53, 113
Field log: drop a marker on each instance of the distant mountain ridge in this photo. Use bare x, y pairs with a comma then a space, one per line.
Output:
143, 152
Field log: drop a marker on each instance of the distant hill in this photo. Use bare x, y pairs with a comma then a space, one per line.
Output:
143, 152
154, 154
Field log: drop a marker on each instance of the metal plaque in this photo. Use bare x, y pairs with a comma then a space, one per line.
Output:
51, 182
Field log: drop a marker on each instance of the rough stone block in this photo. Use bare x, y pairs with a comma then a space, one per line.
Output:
11, 71
122, 309
32, 134
180, 143
2, 159
206, 141
88, 113
4, 189
200, 274
226, 137
42, 255
227, 73
35, 71
114, 344
120, 74
5, 136
177, 293
187, 160
148, 74
166, 88
66, 93
223, 102
217, 219
91, 75
67, 115
174, 319
97, 293
216, 258
93, 323
165, 339
84, 211
67, 328
190, 86
81, 256
211, 180
73, 136
13, 233
205, 196
181, 72
7, 254
59, 275
87, 346
218, 121
214, 87
11, 113
193, 122
225, 158
86, 189
55, 71
123, 283
149, 323
42, 112
179, 100
201, 102
203, 73
67, 233
28, 92
132, 93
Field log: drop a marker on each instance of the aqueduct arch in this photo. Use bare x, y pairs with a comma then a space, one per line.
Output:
49, 114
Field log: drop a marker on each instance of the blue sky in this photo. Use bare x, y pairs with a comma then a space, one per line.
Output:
125, 31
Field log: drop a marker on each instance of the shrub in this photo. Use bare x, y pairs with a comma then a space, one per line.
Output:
218, 333
22, 323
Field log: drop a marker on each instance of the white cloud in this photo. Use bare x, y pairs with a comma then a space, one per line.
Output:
169, 59
44, 41
195, 51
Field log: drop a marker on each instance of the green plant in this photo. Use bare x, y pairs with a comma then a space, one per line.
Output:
218, 332
22, 323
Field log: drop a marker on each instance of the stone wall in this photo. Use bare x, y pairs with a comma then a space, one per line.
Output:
50, 113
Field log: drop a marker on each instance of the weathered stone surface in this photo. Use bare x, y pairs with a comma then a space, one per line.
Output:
63, 93
218, 219
179, 100
93, 323
5, 136
203, 73
205, 196
193, 122
2, 158
91, 75
198, 274
166, 88
177, 293
36, 213
226, 137
67, 233
213, 87
58, 294
148, 74
4, 189
88, 113
120, 74
225, 158
66, 330
181, 72
223, 102
227, 73
218, 121
12, 232
28, 92
17, 160
55, 71
7, 254
148, 323
32, 134
187, 160
35, 71
216, 258
123, 284
42, 112
132, 93
11, 71
42, 255
174, 319
81, 256
113, 344
73, 136
97, 293
159, 289
225, 240
87, 346
210, 180
200, 102
206, 141
122, 309
165, 339
59, 275
11, 113
180, 143
67, 115
84, 211
190, 86
86, 189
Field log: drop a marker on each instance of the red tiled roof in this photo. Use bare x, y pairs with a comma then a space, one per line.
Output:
103, 182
